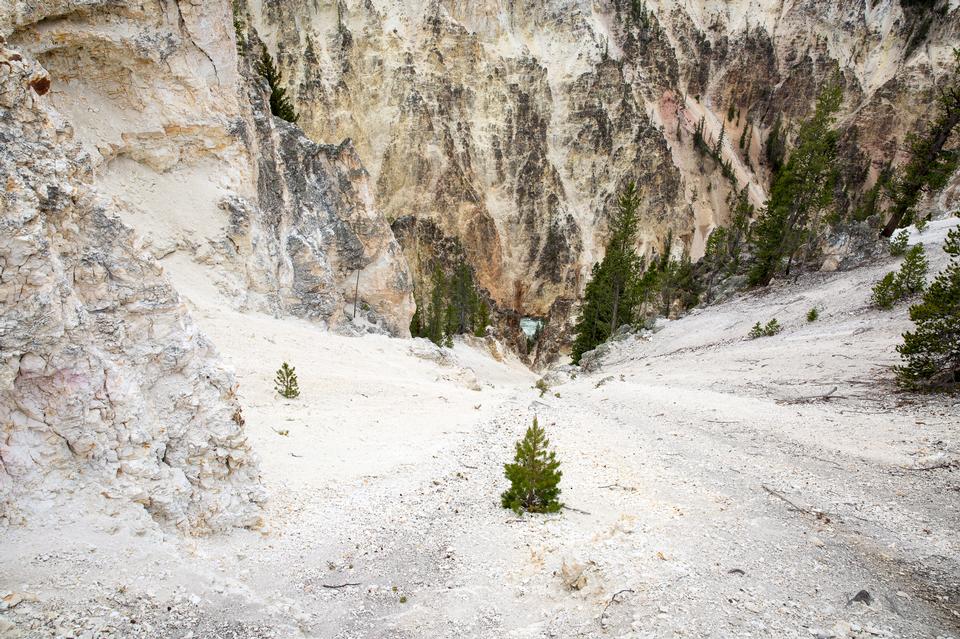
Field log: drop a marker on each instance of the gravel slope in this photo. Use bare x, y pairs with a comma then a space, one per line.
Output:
723, 487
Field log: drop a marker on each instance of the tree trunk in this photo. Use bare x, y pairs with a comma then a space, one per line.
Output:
911, 194
616, 305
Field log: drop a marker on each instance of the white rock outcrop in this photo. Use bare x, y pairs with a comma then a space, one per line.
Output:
104, 377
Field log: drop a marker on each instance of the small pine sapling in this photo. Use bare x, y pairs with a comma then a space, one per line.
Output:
931, 352
286, 381
772, 328
898, 245
886, 292
769, 329
913, 271
911, 279
813, 314
534, 475
542, 386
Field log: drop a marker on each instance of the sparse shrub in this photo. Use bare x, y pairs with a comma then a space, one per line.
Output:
813, 314
931, 352
534, 475
769, 329
286, 381
542, 386
898, 245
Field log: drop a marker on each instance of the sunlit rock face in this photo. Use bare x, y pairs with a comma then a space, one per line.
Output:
511, 126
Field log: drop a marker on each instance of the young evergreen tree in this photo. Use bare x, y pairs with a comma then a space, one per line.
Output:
610, 296
801, 191
463, 299
932, 158
776, 146
931, 352
280, 104
436, 313
482, 319
285, 382
534, 475
416, 323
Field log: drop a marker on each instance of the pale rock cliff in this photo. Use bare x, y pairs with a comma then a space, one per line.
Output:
179, 133
103, 376
509, 127
141, 169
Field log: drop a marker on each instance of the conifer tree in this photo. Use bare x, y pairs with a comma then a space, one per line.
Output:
931, 352
463, 299
416, 323
776, 147
718, 147
801, 191
482, 319
534, 475
280, 104
436, 314
932, 159
286, 381
610, 296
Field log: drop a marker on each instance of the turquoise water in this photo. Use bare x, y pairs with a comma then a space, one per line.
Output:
530, 326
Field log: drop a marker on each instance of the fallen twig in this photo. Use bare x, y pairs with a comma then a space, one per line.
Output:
813, 398
469, 466
335, 587
950, 465
603, 615
576, 510
781, 497
819, 514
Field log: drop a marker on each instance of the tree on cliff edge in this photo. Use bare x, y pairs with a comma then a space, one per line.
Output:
932, 161
280, 104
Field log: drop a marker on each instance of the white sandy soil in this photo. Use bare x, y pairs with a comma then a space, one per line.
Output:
717, 487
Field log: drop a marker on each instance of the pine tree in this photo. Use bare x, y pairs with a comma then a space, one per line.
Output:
463, 299
534, 475
482, 319
286, 381
909, 280
416, 323
776, 147
932, 159
801, 191
436, 314
718, 147
280, 104
931, 352
610, 296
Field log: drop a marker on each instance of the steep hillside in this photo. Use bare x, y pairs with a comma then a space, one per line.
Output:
510, 127
716, 486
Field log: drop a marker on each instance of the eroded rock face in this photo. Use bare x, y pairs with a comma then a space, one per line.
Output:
103, 375
511, 126
236, 204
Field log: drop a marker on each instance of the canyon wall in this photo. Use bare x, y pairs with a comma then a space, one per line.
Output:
143, 172
509, 127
